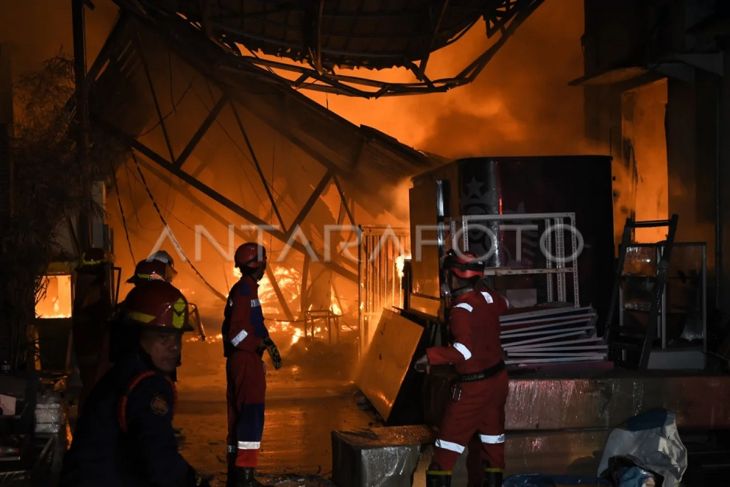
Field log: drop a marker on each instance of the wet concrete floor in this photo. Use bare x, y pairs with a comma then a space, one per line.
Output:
312, 395
306, 400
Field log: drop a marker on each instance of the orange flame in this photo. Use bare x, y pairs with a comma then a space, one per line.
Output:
57, 301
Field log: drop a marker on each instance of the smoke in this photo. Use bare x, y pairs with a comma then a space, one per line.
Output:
521, 103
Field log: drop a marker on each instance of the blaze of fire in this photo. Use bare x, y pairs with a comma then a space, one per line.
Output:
296, 335
289, 282
400, 263
57, 301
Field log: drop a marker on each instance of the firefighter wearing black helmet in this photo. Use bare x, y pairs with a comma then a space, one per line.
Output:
478, 397
245, 337
124, 435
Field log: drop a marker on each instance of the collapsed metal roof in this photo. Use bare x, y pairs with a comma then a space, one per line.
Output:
308, 43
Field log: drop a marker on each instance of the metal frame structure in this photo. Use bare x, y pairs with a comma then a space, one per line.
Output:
173, 164
663, 309
314, 66
380, 286
555, 272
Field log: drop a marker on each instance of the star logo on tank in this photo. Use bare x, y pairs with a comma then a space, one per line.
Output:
159, 405
474, 190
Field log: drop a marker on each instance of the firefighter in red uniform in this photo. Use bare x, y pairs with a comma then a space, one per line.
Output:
479, 395
245, 337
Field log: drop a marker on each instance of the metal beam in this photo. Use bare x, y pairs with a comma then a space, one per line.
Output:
470, 72
265, 116
279, 294
201, 131
421, 73
82, 105
343, 198
309, 204
214, 195
216, 216
317, 58
140, 51
255, 159
509, 15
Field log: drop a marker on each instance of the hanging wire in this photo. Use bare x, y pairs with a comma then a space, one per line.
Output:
124, 218
130, 178
164, 118
174, 241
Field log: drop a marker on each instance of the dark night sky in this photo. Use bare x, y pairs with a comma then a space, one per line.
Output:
36, 30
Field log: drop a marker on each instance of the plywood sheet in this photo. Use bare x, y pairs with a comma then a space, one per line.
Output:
386, 362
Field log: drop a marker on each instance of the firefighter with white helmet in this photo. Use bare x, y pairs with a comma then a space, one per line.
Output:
478, 397
245, 337
124, 435
159, 266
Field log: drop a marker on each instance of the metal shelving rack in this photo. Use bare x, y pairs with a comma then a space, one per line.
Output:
558, 270
688, 268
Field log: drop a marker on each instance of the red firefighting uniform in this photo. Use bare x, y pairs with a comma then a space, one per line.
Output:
479, 406
243, 332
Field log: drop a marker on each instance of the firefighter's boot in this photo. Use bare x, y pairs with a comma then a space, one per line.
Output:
492, 477
438, 478
245, 477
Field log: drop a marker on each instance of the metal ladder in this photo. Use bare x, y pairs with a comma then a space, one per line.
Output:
620, 342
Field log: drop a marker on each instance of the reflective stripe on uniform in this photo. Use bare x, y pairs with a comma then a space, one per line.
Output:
255, 303
239, 338
465, 306
492, 439
461, 348
487, 297
249, 445
448, 445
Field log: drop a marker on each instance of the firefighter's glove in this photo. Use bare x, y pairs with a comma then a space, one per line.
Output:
273, 352
421, 365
